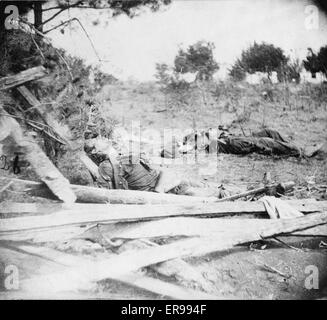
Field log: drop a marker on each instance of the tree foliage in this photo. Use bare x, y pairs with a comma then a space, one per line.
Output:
130, 8
237, 71
316, 62
168, 79
162, 74
290, 71
322, 4
262, 58
198, 58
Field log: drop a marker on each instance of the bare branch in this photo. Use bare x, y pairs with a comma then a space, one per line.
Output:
81, 25
59, 25
56, 14
52, 8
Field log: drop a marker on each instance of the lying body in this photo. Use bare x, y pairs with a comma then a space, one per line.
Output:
129, 171
267, 141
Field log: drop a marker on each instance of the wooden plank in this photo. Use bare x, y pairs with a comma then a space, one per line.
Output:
45, 235
42, 166
177, 269
54, 134
29, 97
80, 214
18, 79
112, 213
131, 261
50, 261
186, 227
87, 194
170, 227
34, 103
16, 209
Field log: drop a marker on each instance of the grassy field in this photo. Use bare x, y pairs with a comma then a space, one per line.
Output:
298, 112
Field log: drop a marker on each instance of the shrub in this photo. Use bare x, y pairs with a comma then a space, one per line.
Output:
198, 58
262, 58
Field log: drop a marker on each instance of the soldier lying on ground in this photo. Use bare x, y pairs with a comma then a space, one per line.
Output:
266, 141
122, 170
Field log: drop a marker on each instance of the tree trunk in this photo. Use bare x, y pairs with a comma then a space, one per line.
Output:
38, 16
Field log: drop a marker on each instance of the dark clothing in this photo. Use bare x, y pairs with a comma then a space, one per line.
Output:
139, 177
129, 173
269, 133
267, 142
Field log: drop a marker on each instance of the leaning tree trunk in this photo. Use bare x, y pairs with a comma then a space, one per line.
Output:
3, 70
38, 16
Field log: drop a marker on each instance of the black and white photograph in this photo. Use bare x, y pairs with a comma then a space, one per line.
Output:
163, 153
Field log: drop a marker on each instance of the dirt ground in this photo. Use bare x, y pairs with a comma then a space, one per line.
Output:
240, 273
303, 122
247, 272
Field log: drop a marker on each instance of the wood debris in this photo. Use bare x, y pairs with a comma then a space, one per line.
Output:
143, 230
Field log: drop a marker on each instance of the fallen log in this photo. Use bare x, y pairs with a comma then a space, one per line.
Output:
43, 167
86, 194
131, 261
18, 79
50, 261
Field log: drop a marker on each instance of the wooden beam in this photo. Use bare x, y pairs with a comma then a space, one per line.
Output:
43, 167
177, 225
61, 262
186, 227
34, 103
18, 79
87, 194
28, 96
112, 213
169, 227
130, 261
16, 209
177, 269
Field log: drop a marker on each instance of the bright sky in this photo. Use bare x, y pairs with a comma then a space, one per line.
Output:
131, 47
